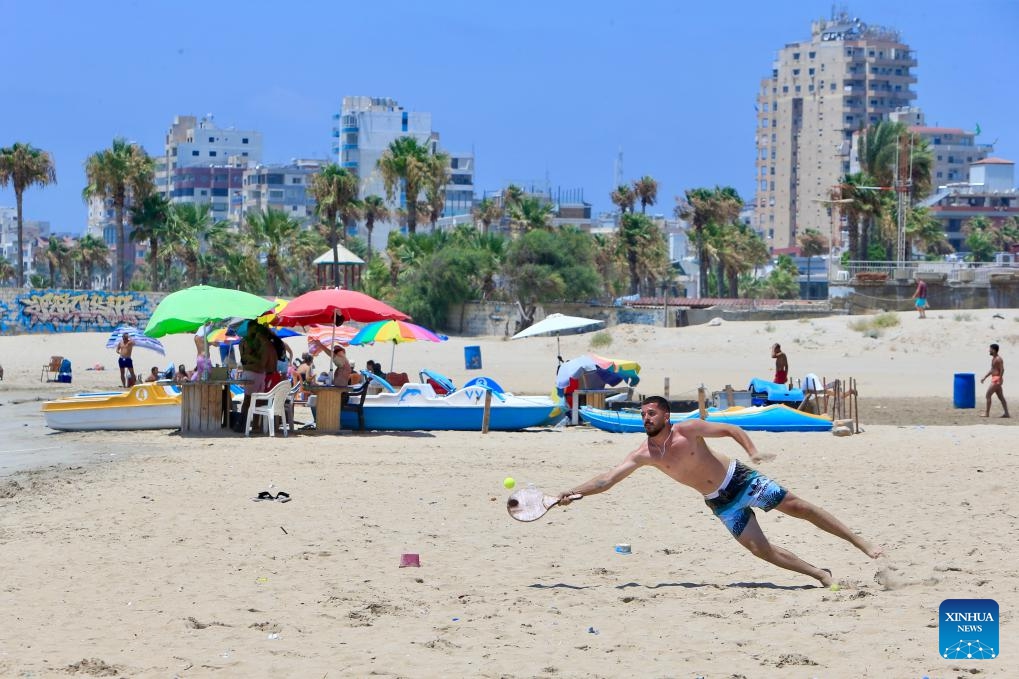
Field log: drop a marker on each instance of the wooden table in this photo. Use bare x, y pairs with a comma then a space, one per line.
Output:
328, 406
592, 397
205, 407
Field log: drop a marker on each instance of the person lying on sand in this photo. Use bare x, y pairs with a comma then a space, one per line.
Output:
729, 487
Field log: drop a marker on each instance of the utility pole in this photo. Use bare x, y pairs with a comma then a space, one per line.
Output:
903, 183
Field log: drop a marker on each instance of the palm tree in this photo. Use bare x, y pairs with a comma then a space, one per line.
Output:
334, 188
487, 211
92, 252
812, 243
405, 164
272, 232
191, 227
625, 197
637, 235
512, 196
704, 208
57, 254
530, 213
435, 186
646, 189
927, 233
23, 165
7, 270
374, 210
150, 218
120, 173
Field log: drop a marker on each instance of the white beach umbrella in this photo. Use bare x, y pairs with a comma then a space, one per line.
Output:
556, 323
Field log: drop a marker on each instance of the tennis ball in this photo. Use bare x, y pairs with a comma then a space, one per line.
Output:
834, 587
508, 482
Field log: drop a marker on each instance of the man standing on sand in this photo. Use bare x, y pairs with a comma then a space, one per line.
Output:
729, 488
781, 364
997, 375
921, 297
124, 348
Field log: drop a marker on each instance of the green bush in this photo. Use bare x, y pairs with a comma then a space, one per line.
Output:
601, 339
886, 320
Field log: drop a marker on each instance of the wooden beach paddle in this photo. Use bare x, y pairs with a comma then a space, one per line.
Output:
530, 504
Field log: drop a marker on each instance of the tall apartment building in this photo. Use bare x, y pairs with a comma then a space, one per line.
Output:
989, 191
203, 163
280, 187
847, 76
953, 149
365, 128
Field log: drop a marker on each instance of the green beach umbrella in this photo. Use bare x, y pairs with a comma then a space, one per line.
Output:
187, 310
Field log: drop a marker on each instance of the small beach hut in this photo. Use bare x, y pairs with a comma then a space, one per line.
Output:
350, 266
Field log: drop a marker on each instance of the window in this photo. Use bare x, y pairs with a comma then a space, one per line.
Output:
244, 140
796, 56
764, 122
212, 154
212, 140
764, 185
403, 122
194, 153
785, 89
796, 72
798, 89
295, 180
245, 154
811, 55
810, 72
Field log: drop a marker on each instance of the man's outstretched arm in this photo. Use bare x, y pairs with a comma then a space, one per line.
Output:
602, 482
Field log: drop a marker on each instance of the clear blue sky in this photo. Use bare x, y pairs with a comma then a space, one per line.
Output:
535, 88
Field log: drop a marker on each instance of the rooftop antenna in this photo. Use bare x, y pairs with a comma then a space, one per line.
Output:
618, 169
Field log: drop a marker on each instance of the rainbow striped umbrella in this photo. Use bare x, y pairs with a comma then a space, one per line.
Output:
396, 332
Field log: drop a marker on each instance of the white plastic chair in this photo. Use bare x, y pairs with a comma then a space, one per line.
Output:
270, 405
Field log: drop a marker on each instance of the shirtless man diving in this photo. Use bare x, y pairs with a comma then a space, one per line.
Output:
729, 488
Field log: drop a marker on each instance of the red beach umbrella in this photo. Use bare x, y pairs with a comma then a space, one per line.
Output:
334, 306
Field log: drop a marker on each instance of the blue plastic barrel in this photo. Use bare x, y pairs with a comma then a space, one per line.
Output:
965, 395
472, 357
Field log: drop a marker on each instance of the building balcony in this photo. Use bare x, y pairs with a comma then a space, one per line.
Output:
350, 128
349, 147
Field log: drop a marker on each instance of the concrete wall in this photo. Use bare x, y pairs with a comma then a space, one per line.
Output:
38, 311
1000, 291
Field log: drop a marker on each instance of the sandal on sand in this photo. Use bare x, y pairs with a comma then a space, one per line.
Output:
283, 496
264, 495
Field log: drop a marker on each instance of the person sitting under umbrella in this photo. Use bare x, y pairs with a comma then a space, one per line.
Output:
341, 366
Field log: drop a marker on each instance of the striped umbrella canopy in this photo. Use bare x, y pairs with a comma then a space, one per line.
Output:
396, 332
320, 336
140, 340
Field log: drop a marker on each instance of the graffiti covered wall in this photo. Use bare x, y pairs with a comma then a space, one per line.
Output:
34, 311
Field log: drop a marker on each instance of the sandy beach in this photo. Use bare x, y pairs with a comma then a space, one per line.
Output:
142, 554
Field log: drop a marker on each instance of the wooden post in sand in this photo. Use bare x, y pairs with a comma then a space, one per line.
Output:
856, 407
701, 397
488, 411
666, 388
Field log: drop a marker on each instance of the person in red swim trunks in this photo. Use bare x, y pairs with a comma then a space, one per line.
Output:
997, 375
781, 364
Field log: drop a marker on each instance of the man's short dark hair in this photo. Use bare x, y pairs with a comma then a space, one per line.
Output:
658, 401
995, 347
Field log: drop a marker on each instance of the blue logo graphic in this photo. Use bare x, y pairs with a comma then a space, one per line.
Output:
968, 629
